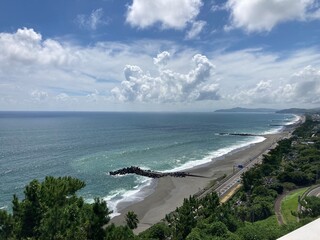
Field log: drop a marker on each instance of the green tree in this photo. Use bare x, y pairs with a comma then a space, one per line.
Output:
132, 220
159, 231
51, 210
99, 218
6, 225
119, 233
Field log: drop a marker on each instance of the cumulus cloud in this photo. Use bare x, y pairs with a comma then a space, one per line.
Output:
170, 86
263, 15
301, 87
262, 92
72, 78
93, 20
196, 29
27, 47
306, 85
170, 14
161, 59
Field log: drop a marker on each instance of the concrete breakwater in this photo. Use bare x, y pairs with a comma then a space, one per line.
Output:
150, 173
239, 134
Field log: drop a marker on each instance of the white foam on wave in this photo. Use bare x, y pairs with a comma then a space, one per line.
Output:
273, 131
137, 194
134, 195
216, 154
295, 120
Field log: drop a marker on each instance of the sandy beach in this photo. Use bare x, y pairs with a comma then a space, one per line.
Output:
169, 192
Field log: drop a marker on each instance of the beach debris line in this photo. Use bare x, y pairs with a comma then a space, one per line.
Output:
150, 173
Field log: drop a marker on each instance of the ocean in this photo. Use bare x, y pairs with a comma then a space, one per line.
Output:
87, 145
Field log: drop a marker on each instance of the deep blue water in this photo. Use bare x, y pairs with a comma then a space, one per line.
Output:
89, 145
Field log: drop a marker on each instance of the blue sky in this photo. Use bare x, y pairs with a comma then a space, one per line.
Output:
160, 55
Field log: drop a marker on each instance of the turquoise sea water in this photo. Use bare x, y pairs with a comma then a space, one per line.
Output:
89, 145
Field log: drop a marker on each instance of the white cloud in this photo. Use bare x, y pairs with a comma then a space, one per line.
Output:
217, 7
93, 20
27, 47
306, 84
161, 59
71, 78
69, 73
169, 86
196, 29
62, 97
302, 87
170, 14
263, 15
39, 95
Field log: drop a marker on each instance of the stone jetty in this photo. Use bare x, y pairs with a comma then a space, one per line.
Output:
239, 134
149, 173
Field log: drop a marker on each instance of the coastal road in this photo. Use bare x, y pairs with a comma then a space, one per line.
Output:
314, 192
234, 180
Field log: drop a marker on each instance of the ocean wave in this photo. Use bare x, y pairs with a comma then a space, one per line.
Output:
217, 153
294, 120
159, 147
286, 122
3, 207
143, 187
273, 131
122, 195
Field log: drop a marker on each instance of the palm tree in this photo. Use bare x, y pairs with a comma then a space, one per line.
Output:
132, 220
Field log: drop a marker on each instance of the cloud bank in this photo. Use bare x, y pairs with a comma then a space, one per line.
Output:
52, 74
169, 86
301, 87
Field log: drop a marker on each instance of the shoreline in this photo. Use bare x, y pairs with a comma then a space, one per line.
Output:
168, 193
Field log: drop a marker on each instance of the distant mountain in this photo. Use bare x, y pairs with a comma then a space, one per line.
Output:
246, 110
299, 110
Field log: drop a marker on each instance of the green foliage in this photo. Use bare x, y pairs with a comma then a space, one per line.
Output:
261, 230
311, 206
277, 187
132, 220
195, 234
289, 186
159, 231
304, 130
99, 216
119, 233
297, 177
6, 225
51, 210
251, 178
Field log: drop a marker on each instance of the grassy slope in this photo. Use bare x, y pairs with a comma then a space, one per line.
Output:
290, 203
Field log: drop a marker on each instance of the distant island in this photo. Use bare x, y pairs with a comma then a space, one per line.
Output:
246, 110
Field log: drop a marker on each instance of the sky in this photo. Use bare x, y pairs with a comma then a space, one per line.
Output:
159, 55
